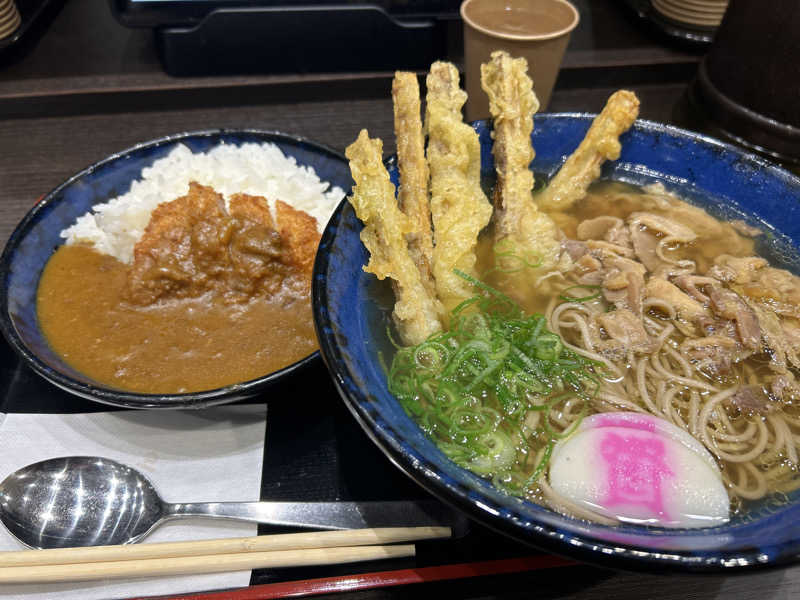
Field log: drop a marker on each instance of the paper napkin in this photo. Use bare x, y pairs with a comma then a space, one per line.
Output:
211, 455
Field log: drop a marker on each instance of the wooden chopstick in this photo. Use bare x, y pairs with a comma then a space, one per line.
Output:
262, 543
189, 565
212, 556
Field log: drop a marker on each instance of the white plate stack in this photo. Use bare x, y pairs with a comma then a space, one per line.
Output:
695, 13
9, 18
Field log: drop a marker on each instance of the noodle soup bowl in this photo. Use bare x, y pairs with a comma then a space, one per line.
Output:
352, 315
38, 234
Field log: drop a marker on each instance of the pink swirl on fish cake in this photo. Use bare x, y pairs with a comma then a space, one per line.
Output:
636, 469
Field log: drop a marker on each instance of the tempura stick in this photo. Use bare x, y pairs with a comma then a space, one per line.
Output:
512, 104
412, 194
523, 234
416, 310
601, 143
459, 208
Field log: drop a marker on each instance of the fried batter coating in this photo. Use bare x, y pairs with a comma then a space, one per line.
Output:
459, 208
179, 253
412, 194
299, 233
416, 311
600, 144
193, 245
521, 230
256, 252
250, 208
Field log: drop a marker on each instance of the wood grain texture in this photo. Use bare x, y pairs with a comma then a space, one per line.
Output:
37, 154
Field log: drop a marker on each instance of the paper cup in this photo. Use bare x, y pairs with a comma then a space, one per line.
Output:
537, 30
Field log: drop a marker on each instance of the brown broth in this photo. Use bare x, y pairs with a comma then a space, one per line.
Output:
620, 200
175, 346
615, 199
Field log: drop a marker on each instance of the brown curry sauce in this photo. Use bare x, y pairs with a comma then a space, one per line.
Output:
214, 296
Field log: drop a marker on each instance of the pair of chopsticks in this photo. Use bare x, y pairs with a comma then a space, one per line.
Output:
212, 556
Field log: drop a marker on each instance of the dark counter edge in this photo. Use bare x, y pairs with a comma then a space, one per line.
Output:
133, 93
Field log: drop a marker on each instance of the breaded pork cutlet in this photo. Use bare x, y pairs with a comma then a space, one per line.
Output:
193, 245
179, 254
299, 233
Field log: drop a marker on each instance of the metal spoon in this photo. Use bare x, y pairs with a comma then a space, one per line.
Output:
91, 501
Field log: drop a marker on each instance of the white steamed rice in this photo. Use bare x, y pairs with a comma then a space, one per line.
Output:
257, 169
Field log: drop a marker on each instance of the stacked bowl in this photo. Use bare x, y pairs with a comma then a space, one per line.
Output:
701, 14
10, 18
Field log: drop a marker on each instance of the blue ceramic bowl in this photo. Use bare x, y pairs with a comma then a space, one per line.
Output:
352, 314
33, 241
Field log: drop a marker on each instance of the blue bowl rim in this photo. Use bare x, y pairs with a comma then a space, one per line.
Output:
574, 545
121, 398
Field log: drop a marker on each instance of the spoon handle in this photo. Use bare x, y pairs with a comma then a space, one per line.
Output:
321, 515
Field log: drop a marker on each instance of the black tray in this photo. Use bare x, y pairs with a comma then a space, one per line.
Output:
304, 39
314, 451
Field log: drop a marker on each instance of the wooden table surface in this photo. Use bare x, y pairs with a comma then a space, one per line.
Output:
56, 121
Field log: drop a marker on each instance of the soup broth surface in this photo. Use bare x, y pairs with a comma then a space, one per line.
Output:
661, 375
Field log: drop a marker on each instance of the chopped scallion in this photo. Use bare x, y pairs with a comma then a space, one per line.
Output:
472, 388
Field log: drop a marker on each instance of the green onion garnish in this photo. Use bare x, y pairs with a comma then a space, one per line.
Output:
567, 298
505, 254
473, 387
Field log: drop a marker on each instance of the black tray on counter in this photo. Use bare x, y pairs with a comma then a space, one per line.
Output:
314, 451
269, 37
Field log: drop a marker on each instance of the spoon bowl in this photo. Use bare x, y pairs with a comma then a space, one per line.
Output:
79, 501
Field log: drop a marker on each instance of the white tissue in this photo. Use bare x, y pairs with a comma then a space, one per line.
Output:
211, 455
